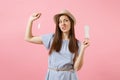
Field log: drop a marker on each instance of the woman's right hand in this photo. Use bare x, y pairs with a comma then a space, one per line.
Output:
35, 16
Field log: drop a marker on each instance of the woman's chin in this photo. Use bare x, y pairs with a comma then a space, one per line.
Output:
64, 31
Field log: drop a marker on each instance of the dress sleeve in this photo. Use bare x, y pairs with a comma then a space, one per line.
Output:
47, 40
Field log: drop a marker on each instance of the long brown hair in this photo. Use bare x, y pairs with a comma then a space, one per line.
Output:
57, 41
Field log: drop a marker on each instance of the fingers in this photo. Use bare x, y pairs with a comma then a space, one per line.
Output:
36, 14
86, 42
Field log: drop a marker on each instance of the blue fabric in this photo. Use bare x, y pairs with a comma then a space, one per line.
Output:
59, 60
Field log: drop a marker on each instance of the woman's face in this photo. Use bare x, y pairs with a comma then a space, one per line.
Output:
64, 23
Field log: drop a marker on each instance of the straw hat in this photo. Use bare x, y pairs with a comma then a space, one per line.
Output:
66, 12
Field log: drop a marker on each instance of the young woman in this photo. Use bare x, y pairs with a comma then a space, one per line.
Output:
65, 51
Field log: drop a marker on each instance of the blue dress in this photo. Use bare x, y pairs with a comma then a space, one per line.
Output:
63, 59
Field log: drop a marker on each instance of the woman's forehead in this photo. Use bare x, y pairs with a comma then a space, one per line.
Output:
63, 17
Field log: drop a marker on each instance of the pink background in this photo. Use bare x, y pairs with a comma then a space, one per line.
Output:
20, 60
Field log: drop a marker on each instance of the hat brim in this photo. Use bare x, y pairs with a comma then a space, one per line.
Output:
64, 13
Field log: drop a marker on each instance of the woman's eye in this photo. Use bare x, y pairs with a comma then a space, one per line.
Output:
66, 20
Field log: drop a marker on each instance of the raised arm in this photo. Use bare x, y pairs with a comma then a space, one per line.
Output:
79, 60
28, 34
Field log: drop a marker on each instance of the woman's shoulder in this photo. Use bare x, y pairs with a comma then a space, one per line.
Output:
78, 42
48, 34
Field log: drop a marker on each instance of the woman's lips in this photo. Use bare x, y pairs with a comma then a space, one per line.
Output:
64, 27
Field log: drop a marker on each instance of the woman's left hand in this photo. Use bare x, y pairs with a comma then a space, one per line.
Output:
85, 43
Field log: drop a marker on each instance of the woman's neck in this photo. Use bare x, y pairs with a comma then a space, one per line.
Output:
65, 36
